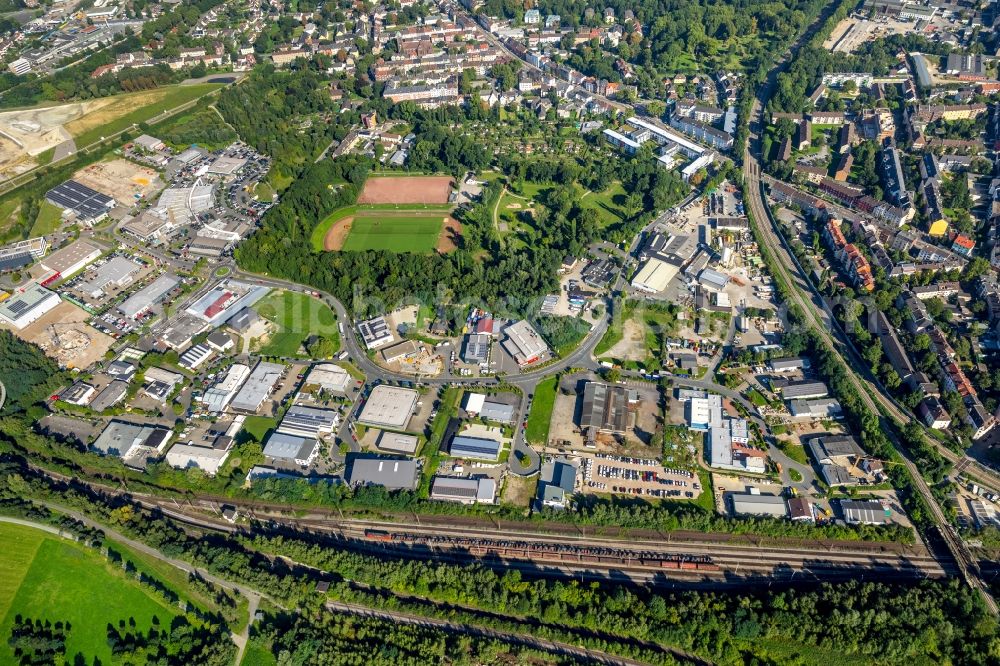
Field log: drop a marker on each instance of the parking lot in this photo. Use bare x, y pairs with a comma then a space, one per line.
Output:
646, 477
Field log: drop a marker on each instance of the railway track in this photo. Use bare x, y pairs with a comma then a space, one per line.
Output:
674, 559
810, 302
724, 558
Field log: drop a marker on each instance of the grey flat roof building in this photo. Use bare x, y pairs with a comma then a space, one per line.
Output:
283, 446
835, 450
396, 442
467, 491
389, 406
124, 439
393, 473
479, 448
864, 512
787, 364
806, 388
500, 412
116, 272
821, 408
148, 296
79, 393
557, 480
835, 475
747, 504
308, 421
258, 386
477, 348
110, 396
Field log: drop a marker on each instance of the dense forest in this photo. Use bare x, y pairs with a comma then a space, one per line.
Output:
201, 125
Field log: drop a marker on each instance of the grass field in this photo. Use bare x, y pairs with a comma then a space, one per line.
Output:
298, 316
45, 577
259, 426
257, 655
608, 204
133, 108
8, 208
263, 192
395, 234
47, 221
540, 417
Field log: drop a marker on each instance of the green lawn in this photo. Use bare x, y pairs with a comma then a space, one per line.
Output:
47, 221
259, 426
257, 655
608, 204
756, 397
18, 555
541, 411
320, 230
298, 316
49, 578
173, 96
263, 191
7, 216
417, 234
796, 452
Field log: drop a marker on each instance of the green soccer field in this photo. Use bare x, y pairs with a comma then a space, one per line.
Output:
395, 234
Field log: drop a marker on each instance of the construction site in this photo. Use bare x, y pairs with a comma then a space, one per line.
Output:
64, 335
27, 133
120, 179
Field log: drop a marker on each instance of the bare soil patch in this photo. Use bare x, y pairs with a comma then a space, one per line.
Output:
450, 231
632, 346
120, 179
407, 189
64, 336
337, 234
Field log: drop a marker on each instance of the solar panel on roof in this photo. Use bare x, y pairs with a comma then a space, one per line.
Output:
15, 261
17, 307
83, 200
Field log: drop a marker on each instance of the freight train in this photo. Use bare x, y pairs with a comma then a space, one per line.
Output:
525, 550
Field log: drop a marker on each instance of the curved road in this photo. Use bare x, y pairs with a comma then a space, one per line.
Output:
526, 382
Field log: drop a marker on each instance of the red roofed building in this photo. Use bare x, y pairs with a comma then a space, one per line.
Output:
485, 325
102, 70
963, 245
219, 305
